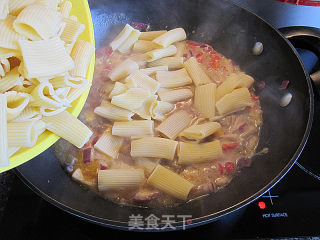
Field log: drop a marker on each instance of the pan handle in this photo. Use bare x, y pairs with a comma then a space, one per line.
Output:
306, 38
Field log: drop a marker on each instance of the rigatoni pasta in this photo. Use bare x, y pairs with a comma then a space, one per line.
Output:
234, 81
176, 95
171, 62
51, 58
153, 147
123, 70
201, 131
133, 128
142, 46
120, 179
174, 124
121, 37
205, 99
68, 127
28, 24
142, 80
173, 79
172, 36
195, 71
126, 46
109, 145
170, 182
151, 35
198, 153
81, 55
160, 53
162, 117
234, 101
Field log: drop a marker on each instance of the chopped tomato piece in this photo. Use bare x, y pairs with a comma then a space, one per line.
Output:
229, 146
199, 54
255, 98
194, 44
215, 61
229, 167
220, 168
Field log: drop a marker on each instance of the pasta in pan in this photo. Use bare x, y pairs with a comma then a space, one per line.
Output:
169, 121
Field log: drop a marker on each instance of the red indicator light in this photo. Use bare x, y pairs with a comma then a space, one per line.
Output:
189, 221
262, 205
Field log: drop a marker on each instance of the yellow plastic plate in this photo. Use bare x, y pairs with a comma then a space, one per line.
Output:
80, 8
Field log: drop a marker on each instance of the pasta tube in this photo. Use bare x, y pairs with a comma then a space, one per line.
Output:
11, 80
113, 113
145, 111
132, 99
121, 37
172, 36
160, 53
50, 61
152, 70
235, 101
124, 69
40, 97
174, 124
28, 113
153, 147
109, 145
65, 8
133, 128
81, 54
16, 103
195, 71
150, 35
74, 93
15, 6
205, 99
171, 62
142, 80
22, 134
176, 95
189, 153
4, 9
126, 46
118, 88
170, 182
9, 37
120, 179
69, 128
28, 24
173, 79
71, 31
201, 131
234, 81
143, 46
160, 108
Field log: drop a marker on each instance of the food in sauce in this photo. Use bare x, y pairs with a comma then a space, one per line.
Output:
172, 119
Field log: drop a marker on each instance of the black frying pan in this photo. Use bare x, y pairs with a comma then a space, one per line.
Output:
232, 31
